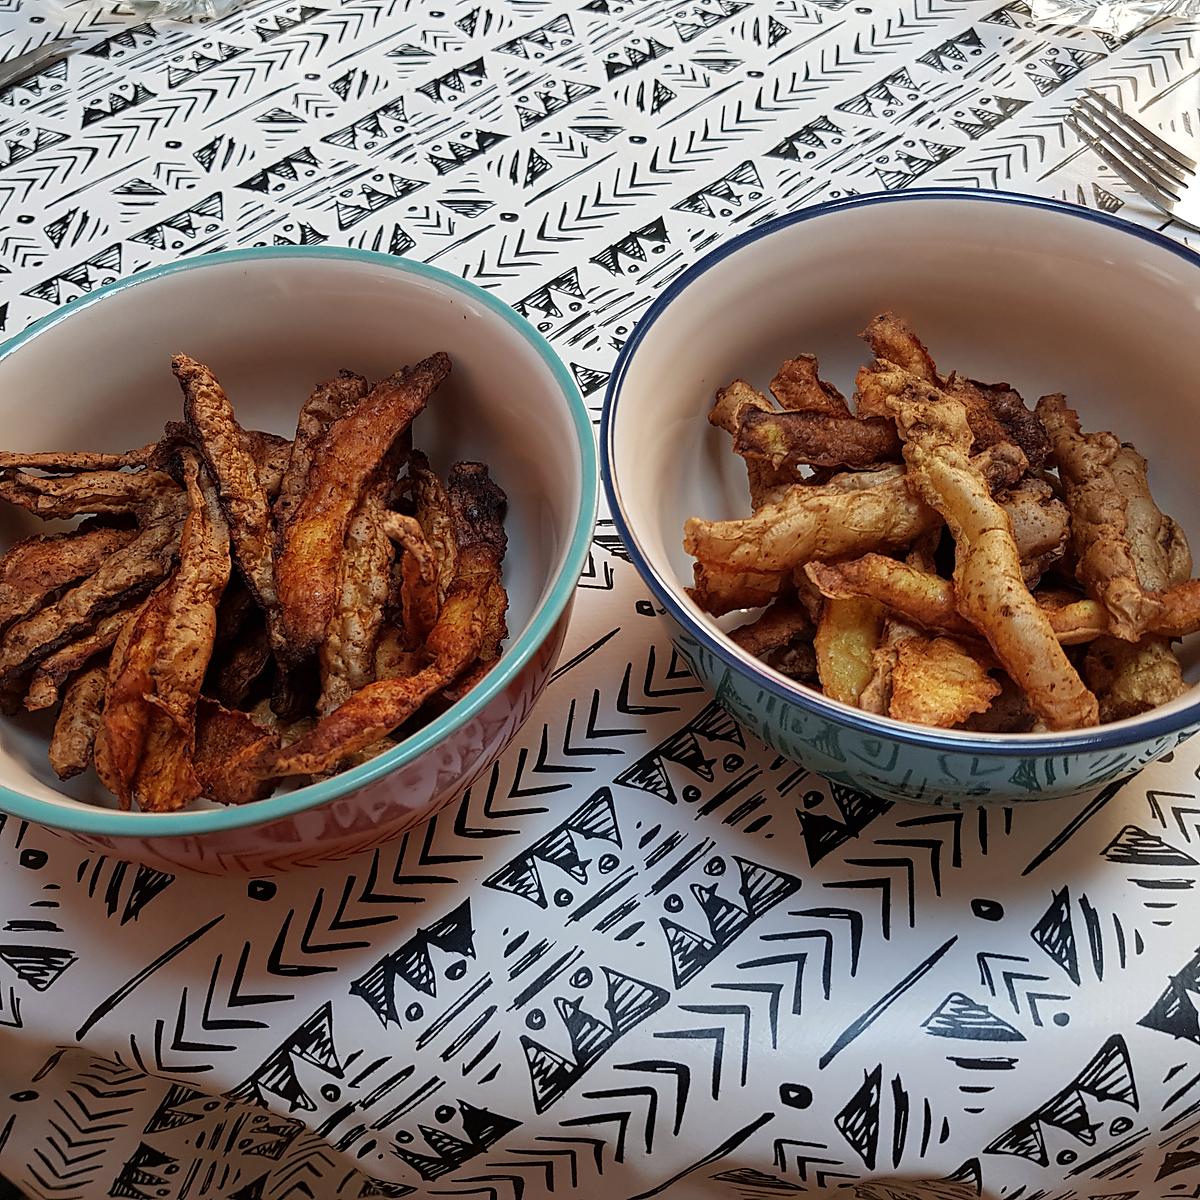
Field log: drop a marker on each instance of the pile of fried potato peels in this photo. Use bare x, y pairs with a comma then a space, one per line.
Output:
236, 607
942, 554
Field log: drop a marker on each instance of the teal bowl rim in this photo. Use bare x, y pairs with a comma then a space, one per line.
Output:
1113, 736
113, 823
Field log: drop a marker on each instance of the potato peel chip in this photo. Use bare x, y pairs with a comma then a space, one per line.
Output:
225, 737
64, 662
1104, 561
938, 681
792, 439
139, 564
78, 722
35, 568
437, 521
229, 452
820, 522
1130, 678
327, 402
347, 654
308, 568
845, 642
419, 600
718, 590
782, 637
730, 407
798, 387
54, 496
989, 585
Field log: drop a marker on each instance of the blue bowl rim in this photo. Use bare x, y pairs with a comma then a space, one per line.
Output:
1112, 736
115, 824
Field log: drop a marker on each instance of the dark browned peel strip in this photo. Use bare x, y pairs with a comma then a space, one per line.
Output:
64, 662
308, 568
477, 504
139, 564
78, 723
35, 568
232, 456
51, 497
329, 400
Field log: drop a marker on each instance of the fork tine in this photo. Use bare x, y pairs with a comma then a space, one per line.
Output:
1120, 116
1149, 192
1121, 138
1118, 145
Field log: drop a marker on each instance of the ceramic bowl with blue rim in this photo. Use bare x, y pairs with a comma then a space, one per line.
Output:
271, 322
1047, 296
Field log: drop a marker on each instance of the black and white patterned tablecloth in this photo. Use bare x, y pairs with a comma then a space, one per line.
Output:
641, 957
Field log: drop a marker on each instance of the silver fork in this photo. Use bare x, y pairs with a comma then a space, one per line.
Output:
1159, 172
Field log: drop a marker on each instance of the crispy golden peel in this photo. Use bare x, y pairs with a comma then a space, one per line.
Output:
1104, 559
139, 564
1134, 678
77, 723
939, 682
225, 737
781, 637
876, 696
930, 601
798, 387
732, 405
996, 413
989, 585
327, 402
229, 452
792, 439
893, 341
55, 496
347, 654
918, 596
846, 639
718, 591
38, 566
1040, 523
808, 523
1180, 610
64, 662
308, 568
1130, 678
453, 645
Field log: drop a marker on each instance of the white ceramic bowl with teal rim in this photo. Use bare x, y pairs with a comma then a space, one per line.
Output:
271, 322
1044, 295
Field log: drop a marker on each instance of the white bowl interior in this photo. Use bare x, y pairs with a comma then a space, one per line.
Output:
100, 378
1039, 298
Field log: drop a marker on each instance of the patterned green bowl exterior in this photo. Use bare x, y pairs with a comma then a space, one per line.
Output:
896, 770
